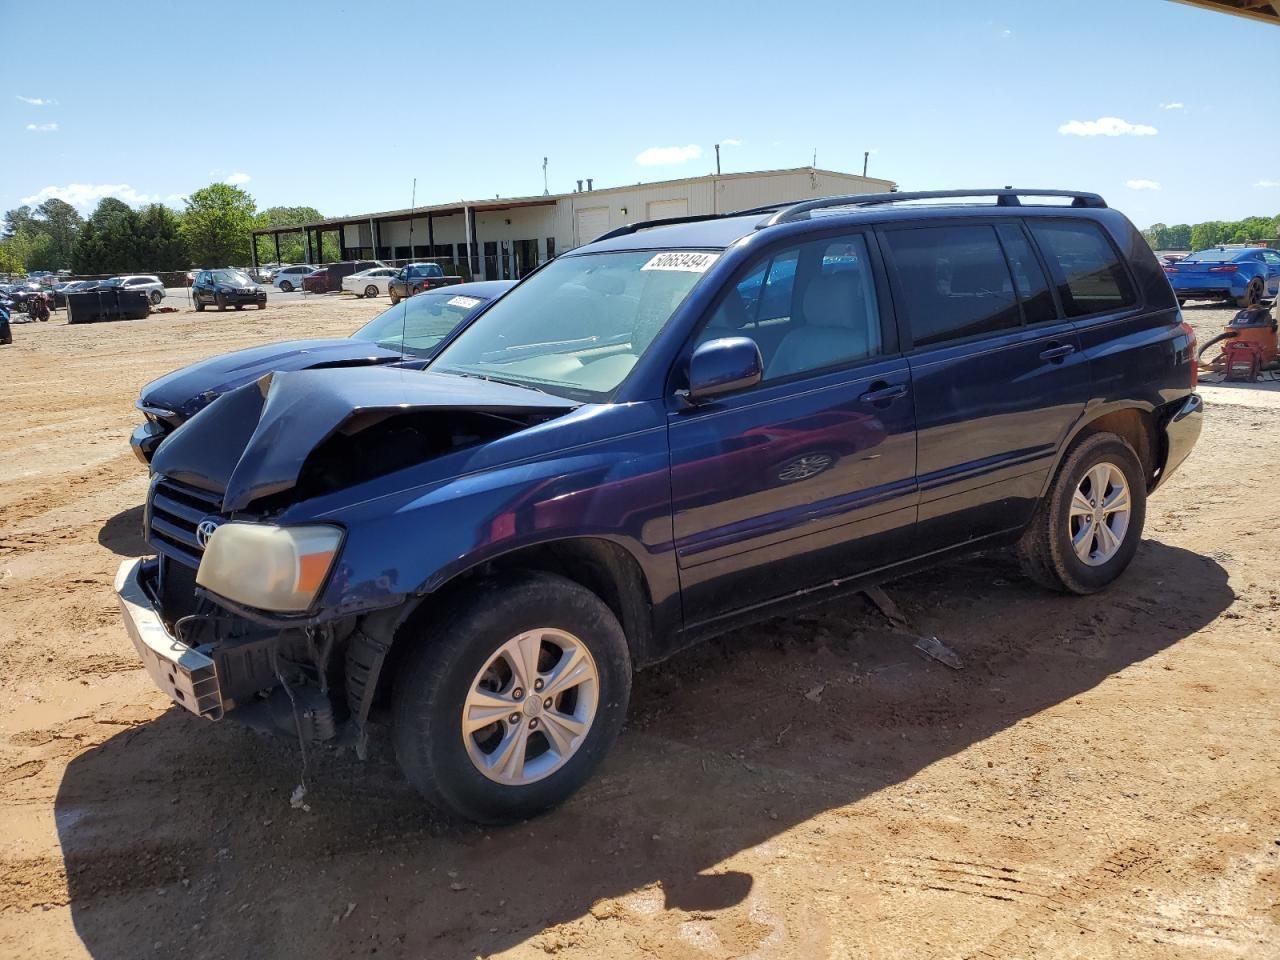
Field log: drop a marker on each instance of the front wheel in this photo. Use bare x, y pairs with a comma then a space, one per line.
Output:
262, 304
371, 291
156, 297
505, 708
1087, 528
221, 301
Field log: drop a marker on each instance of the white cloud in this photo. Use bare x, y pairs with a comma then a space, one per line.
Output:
666, 156
42, 127
730, 142
38, 101
1142, 185
1106, 127
85, 196
238, 178
1006, 34
1267, 183
1171, 106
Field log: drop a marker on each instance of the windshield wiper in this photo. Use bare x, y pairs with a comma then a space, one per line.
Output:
502, 380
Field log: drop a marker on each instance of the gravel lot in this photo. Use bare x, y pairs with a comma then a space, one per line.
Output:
1101, 780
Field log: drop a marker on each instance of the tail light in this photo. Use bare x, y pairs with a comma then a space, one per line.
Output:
1229, 268
1170, 269
1191, 349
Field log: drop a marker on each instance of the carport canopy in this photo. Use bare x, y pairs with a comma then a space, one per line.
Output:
1267, 11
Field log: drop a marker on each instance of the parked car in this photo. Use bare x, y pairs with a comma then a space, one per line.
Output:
289, 278
1245, 275
416, 277
487, 548
407, 334
20, 291
148, 282
265, 273
369, 283
317, 281
226, 288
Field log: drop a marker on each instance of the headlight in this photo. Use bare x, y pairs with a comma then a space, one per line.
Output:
269, 567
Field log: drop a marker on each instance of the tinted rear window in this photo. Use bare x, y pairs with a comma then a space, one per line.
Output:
955, 281
1212, 256
1089, 274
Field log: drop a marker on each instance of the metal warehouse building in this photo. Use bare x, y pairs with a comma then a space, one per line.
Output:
506, 238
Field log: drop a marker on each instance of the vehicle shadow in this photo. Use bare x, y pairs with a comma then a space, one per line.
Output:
179, 834
122, 534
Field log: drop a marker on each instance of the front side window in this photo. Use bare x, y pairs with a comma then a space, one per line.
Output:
578, 326
1090, 276
955, 281
807, 307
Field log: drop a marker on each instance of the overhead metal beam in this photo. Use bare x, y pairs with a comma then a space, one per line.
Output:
1263, 11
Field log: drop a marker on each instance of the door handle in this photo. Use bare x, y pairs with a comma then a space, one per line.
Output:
882, 392
1058, 352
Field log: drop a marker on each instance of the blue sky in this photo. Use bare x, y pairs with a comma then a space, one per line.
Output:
469, 98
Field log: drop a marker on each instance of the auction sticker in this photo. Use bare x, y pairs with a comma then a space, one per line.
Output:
678, 260
465, 302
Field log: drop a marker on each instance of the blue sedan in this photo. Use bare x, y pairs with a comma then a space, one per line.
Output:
1243, 275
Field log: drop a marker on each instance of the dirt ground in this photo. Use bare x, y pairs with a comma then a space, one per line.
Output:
1101, 780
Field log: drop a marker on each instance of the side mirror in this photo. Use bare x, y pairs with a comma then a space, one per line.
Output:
722, 366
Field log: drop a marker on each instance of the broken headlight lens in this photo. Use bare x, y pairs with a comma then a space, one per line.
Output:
269, 567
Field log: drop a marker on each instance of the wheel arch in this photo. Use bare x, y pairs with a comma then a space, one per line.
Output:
604, 567
1133, 423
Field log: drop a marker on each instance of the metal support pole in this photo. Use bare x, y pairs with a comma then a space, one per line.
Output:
277, 239
469, 224
253, 252
431, 237
307, 234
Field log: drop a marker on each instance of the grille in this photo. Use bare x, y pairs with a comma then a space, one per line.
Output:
176, 511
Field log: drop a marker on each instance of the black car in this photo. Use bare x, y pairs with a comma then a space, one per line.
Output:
227, 288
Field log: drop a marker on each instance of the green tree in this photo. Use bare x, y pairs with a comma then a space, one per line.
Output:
10, 260
1157, 236
1179, 237
216, 225
293, 247
1208, 234
60, 222
16, 221
161, 243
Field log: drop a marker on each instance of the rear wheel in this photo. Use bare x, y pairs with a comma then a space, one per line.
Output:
505, 708
394, 297
1252, 296
1088, 527
286, 286
156, 297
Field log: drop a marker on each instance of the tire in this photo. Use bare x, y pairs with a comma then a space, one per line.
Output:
414, 291
199, 305
262, 304
1047, 552
156, 297
239, 306
286, 286
455, 656
220, 300
371, 291
394, 298
1252, 296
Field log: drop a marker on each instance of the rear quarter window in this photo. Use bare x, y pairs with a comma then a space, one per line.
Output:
1087, 270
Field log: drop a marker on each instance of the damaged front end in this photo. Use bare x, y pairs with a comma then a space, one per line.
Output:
228, 617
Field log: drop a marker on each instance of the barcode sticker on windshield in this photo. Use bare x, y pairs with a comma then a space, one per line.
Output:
465, 302
688, 262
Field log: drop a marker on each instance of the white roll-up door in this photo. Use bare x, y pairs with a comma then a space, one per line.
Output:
592, 222
661, 209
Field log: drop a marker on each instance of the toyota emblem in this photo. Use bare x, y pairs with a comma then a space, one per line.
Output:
205, 529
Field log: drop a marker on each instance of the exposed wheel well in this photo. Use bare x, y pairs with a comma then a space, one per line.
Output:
603, 567
1138, 429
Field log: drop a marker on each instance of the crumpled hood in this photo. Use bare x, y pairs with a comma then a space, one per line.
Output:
252, 442
190, 389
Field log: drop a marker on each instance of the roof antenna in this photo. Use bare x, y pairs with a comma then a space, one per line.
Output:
404, 317
545, 192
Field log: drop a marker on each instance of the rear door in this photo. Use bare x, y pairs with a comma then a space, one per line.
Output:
808, 477
998, 374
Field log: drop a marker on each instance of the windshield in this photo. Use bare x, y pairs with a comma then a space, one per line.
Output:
578, 326
1212, 256
233, 277
417, 325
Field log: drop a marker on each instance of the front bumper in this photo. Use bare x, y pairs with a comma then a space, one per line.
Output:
1181, 433
187, 676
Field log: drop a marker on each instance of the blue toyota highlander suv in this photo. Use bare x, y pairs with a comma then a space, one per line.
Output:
682, 427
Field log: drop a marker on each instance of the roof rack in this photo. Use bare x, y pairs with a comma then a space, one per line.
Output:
1005, 197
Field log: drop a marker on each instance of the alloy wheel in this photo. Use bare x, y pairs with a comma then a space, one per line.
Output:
1099, 516
530, 707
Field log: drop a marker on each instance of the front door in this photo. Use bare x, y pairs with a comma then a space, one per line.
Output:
998, 374
808, 477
